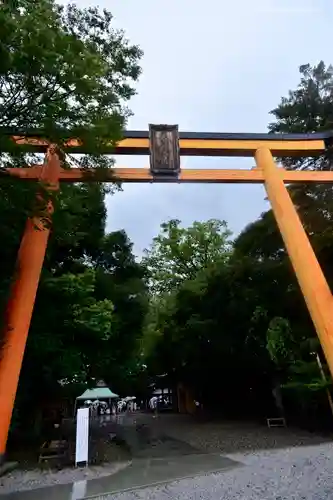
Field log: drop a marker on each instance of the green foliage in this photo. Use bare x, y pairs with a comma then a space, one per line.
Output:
122, 280
178, 254
64, 68
308, 108
87, 321
60, 68
261, 240
66, 72
67, 330
78, 227
202, 332
279, 343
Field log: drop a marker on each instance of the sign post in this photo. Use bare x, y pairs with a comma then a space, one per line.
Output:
82, 436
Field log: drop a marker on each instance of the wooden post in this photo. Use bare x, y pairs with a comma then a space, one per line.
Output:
310, 277
323, 376
22, 298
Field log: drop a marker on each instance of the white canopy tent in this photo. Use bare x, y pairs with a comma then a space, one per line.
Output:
96, 394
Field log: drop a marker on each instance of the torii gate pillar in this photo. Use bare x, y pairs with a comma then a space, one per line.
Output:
22, 298
308, 272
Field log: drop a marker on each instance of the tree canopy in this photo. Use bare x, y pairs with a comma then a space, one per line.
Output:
65, 69
177, 253
308, 108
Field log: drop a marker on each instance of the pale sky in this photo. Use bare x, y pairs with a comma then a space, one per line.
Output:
210, 66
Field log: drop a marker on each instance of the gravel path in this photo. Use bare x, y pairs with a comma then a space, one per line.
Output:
303, 473
20, 480
237, 437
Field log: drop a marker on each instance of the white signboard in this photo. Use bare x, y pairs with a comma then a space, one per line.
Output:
82, 435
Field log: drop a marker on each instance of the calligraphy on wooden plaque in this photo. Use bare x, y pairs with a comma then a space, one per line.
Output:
164, 150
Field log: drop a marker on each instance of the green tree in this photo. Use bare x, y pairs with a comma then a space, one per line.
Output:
65, 71
68, 341
279, 341
122, 280
204, 336
87, 325
261, 240
68, 329
178, 254
200, 332
77, 230
307, 109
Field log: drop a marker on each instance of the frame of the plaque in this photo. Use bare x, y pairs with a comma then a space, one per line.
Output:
164, 150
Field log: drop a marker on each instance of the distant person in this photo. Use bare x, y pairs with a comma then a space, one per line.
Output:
153, 404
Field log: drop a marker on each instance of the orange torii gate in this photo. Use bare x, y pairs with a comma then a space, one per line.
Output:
165, 146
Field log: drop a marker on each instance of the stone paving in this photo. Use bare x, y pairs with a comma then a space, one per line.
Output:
141, 473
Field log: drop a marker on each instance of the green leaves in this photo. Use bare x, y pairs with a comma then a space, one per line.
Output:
279, 341
65, 71
308, 108
76, 321
178, 254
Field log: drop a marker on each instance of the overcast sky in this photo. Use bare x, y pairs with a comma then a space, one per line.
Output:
210, 66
